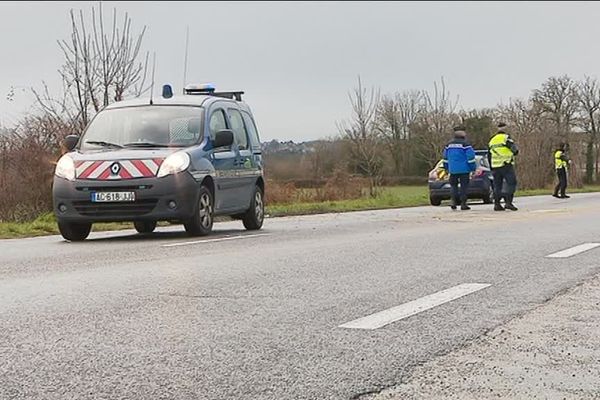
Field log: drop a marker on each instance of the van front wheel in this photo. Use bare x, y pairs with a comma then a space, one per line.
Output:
145, 226
202, 222
74, 232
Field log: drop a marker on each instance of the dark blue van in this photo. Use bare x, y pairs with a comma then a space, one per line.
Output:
184, 159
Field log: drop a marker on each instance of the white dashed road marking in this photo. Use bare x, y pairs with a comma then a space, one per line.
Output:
406, 310
214, 240
574, 250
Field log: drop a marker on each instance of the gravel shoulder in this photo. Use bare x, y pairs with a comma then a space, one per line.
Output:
552, 352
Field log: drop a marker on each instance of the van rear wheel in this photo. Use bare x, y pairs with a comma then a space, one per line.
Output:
74, 232
253, 218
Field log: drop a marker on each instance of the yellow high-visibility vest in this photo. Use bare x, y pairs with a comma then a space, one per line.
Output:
558, 162
501, 154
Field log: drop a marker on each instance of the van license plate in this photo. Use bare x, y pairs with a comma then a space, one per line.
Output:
110, 197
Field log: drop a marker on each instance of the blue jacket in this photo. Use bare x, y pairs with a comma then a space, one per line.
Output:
459, 157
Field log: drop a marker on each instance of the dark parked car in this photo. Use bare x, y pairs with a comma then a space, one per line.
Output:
481, 186
182, 159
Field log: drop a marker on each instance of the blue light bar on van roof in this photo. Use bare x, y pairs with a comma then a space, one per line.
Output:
200, 88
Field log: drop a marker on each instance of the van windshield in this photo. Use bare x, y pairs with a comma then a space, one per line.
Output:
148, 126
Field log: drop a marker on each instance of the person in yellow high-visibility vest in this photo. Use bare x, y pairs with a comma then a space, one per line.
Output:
561, 162
501, 155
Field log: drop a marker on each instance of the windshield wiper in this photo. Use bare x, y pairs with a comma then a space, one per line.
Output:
146, 144
103, 144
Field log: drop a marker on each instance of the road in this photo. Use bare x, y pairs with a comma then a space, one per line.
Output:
242, 315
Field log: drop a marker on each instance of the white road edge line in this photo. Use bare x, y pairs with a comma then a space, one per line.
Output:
214, 240
406, 310
570, 252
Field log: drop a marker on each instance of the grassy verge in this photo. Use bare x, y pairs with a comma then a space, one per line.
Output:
46, 225
389, 197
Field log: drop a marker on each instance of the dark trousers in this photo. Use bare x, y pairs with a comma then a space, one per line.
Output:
562, 182
504, 174
463, 179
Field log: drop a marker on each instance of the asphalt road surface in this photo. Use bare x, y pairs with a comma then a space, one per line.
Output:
315, 307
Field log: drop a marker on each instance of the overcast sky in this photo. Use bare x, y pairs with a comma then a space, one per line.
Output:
297, 61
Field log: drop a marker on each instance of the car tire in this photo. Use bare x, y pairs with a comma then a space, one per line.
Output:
489, 197
202, 222
144, 226
435, 201
253, 218
74, 232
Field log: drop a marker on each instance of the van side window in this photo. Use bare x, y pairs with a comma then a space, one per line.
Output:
238, 128
251, 128
217, 122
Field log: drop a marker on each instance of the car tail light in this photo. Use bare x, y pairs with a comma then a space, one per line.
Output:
438, 174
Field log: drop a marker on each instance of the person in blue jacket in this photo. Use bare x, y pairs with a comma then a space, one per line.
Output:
459, 161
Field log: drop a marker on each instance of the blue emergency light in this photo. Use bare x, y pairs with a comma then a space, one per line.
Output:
167, 91
203, 88
208, 89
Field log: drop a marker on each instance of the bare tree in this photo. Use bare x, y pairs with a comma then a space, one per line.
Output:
588, 95
557, 100
396, 118
529, 127
102, 63
359, 130
436, 121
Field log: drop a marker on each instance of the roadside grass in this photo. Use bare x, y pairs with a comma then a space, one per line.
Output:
46, 225
388, 197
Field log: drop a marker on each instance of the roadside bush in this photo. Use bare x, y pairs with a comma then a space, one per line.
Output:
341, 186
28, 154
278, 192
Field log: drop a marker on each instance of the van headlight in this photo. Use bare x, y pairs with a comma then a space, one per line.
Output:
65, 168
174, 163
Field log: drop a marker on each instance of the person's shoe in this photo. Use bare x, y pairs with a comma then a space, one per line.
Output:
465, 207
498, 207
511, 207
452, 204
556, 195
565, 197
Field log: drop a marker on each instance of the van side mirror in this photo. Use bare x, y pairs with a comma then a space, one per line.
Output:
223, 138
70, 142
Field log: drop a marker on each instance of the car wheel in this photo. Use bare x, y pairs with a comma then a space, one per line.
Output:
435, 201
74, 232
254, 217
202, 222
489, 197
145, 226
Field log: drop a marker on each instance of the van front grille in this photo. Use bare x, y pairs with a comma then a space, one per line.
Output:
125, 209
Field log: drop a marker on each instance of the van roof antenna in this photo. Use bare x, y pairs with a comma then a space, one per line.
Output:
185, 59
153, 69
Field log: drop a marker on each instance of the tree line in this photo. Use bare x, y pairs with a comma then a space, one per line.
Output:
407, 130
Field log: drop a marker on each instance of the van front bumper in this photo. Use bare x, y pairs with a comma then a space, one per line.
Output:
170, 198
